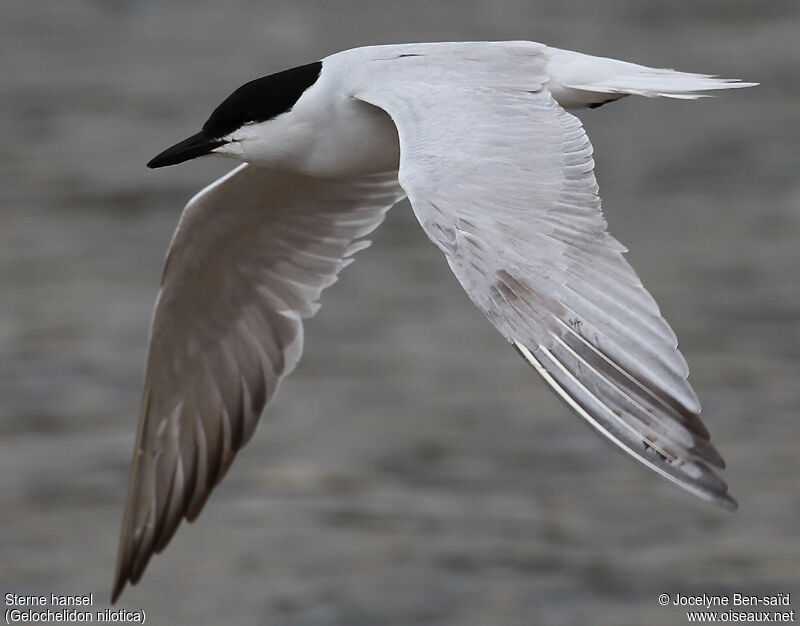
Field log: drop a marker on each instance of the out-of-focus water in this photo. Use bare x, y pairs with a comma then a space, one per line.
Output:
413, 470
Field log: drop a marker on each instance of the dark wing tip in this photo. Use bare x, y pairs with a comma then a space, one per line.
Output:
685, 466
726, 501
116, 590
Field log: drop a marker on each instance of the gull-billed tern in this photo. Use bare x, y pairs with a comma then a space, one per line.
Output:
500, 177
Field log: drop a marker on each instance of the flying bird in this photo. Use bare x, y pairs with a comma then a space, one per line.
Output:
499, 175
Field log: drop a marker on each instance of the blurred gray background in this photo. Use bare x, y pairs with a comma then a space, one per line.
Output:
413, 470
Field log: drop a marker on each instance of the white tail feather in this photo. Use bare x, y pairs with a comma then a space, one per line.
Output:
581, 80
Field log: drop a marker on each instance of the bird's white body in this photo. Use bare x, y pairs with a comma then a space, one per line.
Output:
330, 133
501, 179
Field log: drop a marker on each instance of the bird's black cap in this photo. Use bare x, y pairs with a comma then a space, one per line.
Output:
257, 101
261, 99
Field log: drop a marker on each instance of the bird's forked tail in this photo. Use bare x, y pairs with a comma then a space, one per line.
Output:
581, 80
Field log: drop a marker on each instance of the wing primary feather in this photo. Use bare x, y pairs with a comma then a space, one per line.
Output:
126, 541
190, 460
703, 484
656, 371
615, 417
634, 387
613, 386
201, 491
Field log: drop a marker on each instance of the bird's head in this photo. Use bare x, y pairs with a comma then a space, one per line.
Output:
240, 125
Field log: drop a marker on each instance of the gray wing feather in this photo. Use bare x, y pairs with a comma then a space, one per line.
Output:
250, 256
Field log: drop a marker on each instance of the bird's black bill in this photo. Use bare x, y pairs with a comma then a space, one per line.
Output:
191, 148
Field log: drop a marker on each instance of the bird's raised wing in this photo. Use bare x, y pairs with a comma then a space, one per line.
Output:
501, 179
250, 256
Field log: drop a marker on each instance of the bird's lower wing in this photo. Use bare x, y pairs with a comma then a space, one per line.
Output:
501, 179
250, 256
